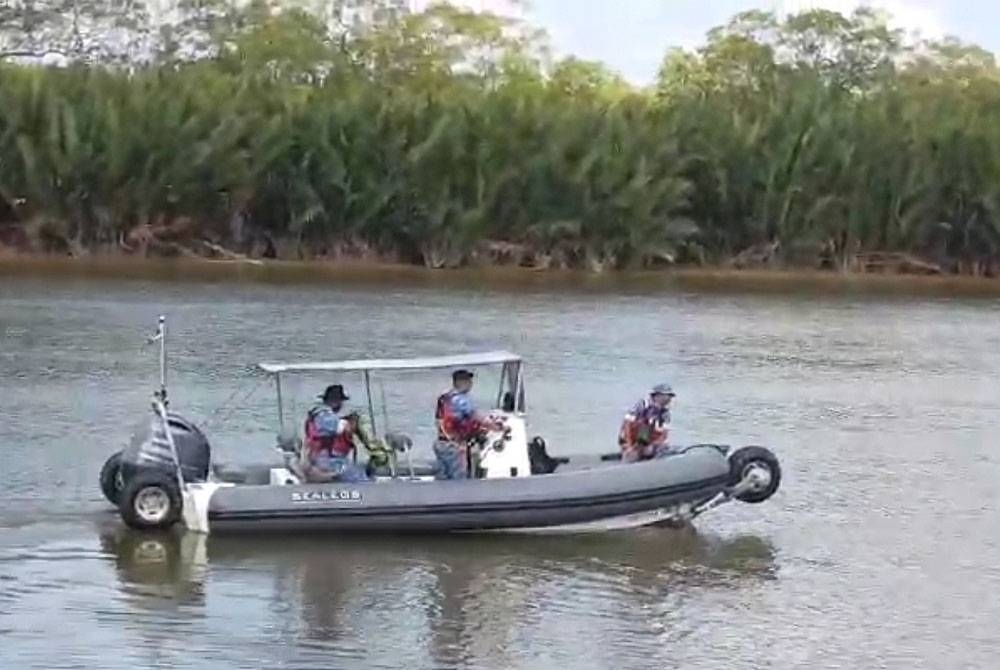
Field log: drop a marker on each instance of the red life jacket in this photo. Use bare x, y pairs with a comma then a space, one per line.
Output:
450, 425
336, 445
648, 425
652, 432
343, 445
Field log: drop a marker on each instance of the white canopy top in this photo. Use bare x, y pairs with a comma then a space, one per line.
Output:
428, 363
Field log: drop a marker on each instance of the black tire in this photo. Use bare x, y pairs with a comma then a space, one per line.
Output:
136, 502
111, 478
745, 457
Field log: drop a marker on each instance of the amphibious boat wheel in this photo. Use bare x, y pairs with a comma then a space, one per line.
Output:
151, 499
758, 465
111, 478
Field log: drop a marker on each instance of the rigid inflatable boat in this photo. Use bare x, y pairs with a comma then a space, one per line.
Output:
166, 476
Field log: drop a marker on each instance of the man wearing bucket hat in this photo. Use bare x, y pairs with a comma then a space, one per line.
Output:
330, 439
645, 431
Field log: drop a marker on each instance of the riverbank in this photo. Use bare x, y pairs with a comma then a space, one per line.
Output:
410, 155
724, 280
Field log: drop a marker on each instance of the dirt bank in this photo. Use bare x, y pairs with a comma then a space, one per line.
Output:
725, 280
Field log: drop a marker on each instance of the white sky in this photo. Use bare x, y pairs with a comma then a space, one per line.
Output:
632, 35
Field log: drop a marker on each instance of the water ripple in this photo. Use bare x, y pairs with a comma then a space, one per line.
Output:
879, 551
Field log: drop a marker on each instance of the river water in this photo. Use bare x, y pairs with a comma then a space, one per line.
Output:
881, 550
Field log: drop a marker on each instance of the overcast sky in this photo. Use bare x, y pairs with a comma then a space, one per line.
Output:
632, 35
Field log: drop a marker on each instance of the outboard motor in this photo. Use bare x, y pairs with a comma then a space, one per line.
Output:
144, 452
142, 479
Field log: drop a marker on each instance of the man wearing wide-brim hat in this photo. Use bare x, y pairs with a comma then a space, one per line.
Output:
330, 439
645, 430
334, 396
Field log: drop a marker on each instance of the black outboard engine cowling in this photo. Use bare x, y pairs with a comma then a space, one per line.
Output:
148, 450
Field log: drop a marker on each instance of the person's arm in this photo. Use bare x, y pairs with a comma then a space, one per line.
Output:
623, 433
627, 432
487, 421
464, 407
354, 425
665, 425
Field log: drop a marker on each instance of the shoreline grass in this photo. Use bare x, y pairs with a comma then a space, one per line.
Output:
700, 279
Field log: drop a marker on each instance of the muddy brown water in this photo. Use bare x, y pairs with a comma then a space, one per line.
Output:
882, 549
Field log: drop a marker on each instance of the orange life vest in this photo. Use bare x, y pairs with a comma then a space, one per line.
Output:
647, 425
647, 431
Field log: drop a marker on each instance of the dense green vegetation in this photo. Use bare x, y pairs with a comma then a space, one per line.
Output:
447, 138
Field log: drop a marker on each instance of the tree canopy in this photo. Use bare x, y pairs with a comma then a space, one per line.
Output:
349, 128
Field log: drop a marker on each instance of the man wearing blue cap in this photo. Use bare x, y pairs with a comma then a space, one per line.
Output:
458, 422
645, 431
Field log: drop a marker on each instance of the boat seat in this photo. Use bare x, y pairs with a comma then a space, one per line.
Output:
541, 462
290, 444
254, 474
291, 448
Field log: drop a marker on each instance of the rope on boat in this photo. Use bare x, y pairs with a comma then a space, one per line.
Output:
212, 417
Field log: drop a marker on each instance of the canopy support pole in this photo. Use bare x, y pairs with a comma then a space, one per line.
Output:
504, 379
281, 406
371, 406
519, 389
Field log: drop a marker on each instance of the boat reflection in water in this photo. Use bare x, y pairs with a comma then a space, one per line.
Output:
454, 599
156, 568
